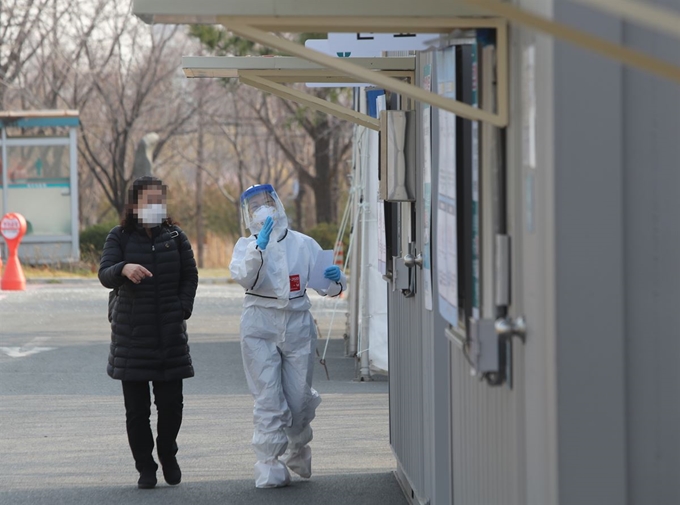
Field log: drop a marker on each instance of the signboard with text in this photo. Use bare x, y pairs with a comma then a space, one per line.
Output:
366, 45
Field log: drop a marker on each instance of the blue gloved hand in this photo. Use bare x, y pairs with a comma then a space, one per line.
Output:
263, 236
332, 273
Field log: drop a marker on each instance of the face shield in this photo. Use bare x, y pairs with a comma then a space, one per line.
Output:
259, 202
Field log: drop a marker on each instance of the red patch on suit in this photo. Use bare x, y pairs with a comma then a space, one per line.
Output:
294, 282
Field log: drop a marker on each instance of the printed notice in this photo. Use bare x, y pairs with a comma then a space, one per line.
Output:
316, 279
447, 220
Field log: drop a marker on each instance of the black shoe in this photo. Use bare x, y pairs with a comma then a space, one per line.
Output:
147, 478
171, 471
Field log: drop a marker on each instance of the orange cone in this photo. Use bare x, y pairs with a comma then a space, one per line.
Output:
339, 255
339, 258
13, 228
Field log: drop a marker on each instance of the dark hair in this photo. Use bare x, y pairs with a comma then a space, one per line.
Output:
129, 220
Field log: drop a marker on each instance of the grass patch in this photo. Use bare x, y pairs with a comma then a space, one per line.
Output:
213, 273
65, 271
89, 271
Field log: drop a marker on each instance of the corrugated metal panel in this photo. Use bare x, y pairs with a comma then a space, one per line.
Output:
652, 278
482, 424
486, 433
487, 452
406, 387
436, 362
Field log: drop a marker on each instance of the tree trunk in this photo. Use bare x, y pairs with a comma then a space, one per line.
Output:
200, 235
325, 206
299, 210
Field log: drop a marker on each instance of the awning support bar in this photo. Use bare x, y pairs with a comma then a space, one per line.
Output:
363, 75
252, 79
580, 38
655, 17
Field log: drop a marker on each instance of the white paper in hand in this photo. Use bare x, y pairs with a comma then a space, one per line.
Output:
316, 279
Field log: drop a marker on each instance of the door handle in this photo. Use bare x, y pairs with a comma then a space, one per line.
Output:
410, 261
507, 327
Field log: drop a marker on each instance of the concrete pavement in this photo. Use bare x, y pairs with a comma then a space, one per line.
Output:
62, 428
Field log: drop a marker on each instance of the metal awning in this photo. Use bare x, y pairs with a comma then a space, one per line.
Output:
647, 16
267, 73
254, 19
316, 16
39, 118
290, 69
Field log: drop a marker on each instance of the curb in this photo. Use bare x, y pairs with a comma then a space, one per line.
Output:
60, 280
77, 280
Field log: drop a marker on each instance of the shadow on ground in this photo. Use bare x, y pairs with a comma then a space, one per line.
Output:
354, 489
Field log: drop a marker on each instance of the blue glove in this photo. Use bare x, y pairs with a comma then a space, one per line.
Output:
332, 273
263, 236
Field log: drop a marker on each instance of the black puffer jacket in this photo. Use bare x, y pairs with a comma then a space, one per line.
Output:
149, 340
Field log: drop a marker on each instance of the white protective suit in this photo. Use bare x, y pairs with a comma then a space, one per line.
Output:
278, 343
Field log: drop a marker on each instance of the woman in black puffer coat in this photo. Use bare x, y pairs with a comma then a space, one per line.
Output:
149, 263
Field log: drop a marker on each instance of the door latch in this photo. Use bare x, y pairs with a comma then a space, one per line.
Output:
410, 261
508, 327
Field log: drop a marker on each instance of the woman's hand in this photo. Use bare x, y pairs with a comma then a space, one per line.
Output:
136, 273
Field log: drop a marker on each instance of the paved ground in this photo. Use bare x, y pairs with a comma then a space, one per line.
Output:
62, 434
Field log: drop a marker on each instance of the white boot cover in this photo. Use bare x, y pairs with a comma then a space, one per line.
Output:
271, 473
300, 461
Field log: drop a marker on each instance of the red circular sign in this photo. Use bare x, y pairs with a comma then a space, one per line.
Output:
10, 226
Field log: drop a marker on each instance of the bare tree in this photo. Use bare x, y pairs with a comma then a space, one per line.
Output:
42, 48
317, 158
129, 98
21, 36
238, 150
121, 75
124, 79
332, 142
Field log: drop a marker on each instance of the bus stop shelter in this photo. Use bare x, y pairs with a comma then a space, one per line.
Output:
40, 181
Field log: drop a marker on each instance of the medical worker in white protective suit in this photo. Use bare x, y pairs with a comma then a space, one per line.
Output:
278, 334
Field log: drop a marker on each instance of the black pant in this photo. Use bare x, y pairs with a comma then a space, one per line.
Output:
168, 399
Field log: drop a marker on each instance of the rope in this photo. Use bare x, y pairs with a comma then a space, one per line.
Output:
354, 191
337, 300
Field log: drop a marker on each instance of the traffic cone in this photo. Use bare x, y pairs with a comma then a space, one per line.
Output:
13, 228
13, 279
339, 258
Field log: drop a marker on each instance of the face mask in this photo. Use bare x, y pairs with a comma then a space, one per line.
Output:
153, 214
263, 213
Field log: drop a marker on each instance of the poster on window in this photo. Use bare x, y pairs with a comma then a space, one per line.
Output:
476, 284
447, 225
427, 184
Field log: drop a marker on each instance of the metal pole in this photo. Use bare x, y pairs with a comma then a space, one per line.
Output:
355, 241
364, 209
364, 372
73, 174
355, 265
5, 180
